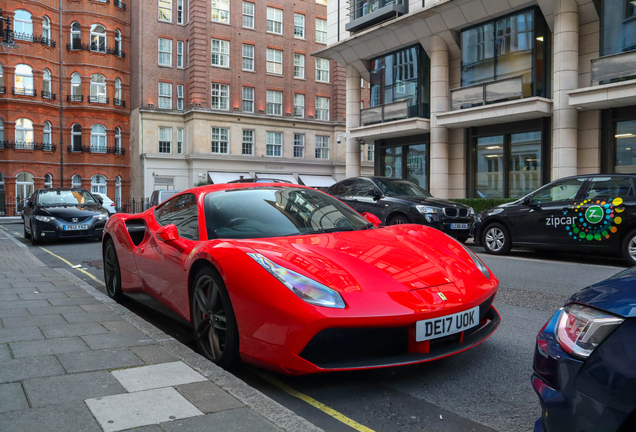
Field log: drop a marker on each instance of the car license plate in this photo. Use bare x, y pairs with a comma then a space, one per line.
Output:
75, 227
446, 325
459, 226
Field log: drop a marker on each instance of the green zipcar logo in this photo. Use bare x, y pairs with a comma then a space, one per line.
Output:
594, 214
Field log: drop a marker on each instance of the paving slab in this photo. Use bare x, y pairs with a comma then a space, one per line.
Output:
74, 418
115, 340
26, 304
240, 420
12, 398
41, 295
19, 369
5, 354
156, 376
8, 297
76, 293
71, 388
153, 354
40, 320
119, 327
50, 310
95, 308
207, 397
47, 346
68, 330
81, 317
99, 360
73, 301
20, 334
15, 312
125, 411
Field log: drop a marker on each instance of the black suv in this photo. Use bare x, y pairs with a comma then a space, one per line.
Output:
397, 201
592, 212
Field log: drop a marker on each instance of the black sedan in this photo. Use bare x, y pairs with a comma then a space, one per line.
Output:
396, 201
595, 213
53, 213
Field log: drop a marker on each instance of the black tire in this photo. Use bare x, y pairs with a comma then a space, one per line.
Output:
398, 220
112, 272
629, 248
213, 321
35, 238
27, 235
496, 239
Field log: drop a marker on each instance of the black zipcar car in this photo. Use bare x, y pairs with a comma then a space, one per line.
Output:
53, 213
397, 201
595, 213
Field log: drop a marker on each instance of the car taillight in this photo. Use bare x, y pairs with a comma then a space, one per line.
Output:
112, 204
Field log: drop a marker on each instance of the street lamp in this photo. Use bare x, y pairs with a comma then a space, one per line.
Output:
7, 34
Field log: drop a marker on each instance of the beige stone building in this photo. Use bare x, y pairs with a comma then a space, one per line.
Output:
488, 98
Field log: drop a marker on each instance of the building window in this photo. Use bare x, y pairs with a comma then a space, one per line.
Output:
321, 31
275, 20
220, 53
180, 54
248, 99
180, 14
165, 10
393, 159
322, 2
274, 61
46, 136
76, 181
274, 144
117, 193
299, 105
322, 70
46, 29
248, 15
180, 97
370, 152
98, 184
118, 49
299, 26
299, 66
220, 96
165, 140
98, 38
274, 102
322, 108
220, 140
221, 11
322, 147
165, 95
76, 36
22, 25
118, 94
23, 80
76, 138
48, 180
179, 140
24, 134
1, 132
98, 88
165, 52
117, 140
299, 145
98, 138
624, 140
248, 58
46, 84
617, 27
76, 86
248, 143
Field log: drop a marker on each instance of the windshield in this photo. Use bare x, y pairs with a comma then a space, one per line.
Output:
276, 211
401, 188
56, 197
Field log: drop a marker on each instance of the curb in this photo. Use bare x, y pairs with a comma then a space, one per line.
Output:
266, 407
24, 248
10, 220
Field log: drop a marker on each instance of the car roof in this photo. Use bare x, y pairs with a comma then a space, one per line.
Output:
203, 190
62, 189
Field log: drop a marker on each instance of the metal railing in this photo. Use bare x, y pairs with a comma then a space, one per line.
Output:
120, 4
487, 93
3, 89
95, 149
48, 95
98, 99
23, 36
119, 102
384, 113
44, 41
132, 205
24, 91
20, 145
613, 68
74, 98
360, 8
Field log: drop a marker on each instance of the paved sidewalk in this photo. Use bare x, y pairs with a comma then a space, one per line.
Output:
73, 360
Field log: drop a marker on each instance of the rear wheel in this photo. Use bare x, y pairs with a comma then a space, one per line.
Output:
496, 239
112, 272
398, 220
629, 248
213, 320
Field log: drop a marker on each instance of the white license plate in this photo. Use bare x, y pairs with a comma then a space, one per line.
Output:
75, 227
459, 226
447, 325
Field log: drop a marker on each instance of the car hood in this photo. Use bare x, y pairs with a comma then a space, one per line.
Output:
432, 201
69, 211
615, 295
391, 259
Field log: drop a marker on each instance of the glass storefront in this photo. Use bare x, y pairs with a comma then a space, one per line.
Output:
618, 26
625, 147
417, 163
490, 167
525, 163
409, 162
392, 162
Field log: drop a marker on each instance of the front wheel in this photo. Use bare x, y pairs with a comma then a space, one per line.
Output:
629, 248
27, 235
398, 220
213, 320
35, 238
496, 239
112, 272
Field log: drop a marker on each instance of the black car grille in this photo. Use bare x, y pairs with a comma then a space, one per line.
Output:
456, 212
71, 219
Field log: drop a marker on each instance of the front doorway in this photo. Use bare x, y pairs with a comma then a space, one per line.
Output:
23, 190
406, 158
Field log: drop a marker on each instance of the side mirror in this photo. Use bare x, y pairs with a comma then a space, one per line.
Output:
168, 233
372, 218
99, 199
374, 193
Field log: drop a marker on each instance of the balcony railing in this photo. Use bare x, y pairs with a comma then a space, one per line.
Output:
44, 41
23, 36
76, 45
20, 145
365, 13
74, 98
117, 52
48, 95
95, 149
613, 67
98, 99
120, 4
3, 89
384, 113
119, 102
24, 91
487, 93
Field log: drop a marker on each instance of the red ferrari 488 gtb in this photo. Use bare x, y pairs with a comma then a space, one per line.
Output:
290, 279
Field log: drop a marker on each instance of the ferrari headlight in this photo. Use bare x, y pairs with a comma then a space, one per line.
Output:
581, 329
44, 218
307, 289
480, 265
428, 210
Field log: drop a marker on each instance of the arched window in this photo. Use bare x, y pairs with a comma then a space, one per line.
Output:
1, 133
1, 76
76, 36
22, 25
24, 80
46, 137
118, 42
98, 38
98, 88
76, 181
23, 189
98, 184
48, 181
76, 87
98, 138
3, 210
117, 140
46, 29
118, 97
117, 193
46, 84
24, 134
76, 138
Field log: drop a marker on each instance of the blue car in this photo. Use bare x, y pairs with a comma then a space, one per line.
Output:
585, 360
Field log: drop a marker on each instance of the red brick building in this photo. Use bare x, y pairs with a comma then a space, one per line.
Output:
64, 99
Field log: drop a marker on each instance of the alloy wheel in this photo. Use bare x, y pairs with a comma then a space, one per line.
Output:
495, 239
111, 267
209, 317
631, 248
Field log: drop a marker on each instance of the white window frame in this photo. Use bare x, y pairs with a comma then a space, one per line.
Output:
98, 139
47, 135
179, 140
322, 108
299, 66
75, 133
180, 97
76, 34
1, 138
24, 133
299, 109
22, 27
220, 11
180, 46
166, 16
98, 89
322, 70
166, 51
299, 145
274, 61
23, 79
97, 186
299, 26
46, 28
274, 144
321, 31
165, 140
247, 98
248, 15
118, 94
220, 96
274, 102
46, 82
249, 57
99, 36
322, 147
48, 180
117, 140
180, 12
220, 53
220, 137
118, 42
247, 140
76, 181
274, 25
322, 2
371, 152
165, 98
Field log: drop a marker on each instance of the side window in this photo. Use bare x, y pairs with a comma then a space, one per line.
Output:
610, 187
347, 188
560, 191
362, 188
182, 212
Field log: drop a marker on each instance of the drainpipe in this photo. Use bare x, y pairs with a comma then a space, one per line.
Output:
61, 103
